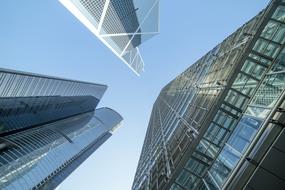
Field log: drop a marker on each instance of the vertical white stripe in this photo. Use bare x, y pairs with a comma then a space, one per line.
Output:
103, 15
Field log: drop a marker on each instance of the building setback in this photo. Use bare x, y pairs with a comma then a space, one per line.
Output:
220, 124
48, 127
122, 25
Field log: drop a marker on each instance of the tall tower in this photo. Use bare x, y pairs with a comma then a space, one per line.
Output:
220, 124
48, 127
122, 25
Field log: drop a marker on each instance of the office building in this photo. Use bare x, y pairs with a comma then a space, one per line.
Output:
122, 25
48, 127
220, 124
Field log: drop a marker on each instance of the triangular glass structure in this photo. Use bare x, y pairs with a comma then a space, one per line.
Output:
122, 25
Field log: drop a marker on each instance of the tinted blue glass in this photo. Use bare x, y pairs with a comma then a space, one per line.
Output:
37, 154
23, 112
224, 164
244, 132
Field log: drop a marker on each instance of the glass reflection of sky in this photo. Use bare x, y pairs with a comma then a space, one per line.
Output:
235, 148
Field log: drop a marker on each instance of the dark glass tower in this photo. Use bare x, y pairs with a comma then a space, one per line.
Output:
220, 124
48, 127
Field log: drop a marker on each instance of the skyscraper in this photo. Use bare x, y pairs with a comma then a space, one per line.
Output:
48, 127
220, 124
122, 25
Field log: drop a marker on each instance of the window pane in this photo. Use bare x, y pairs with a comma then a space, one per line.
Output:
279, 14
183, 176
266, 48
224, 164
253, 69
260, 59
274, 31
244, 133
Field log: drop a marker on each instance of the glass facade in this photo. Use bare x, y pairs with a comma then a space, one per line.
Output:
33, 157
48, 127
122, 25
23, 84
23, 112
205, 122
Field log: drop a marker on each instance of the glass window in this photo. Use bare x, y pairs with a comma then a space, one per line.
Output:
182, 178
245, 84
267, 95
224, 164
241, 102
205, 148
259, 59
280, 34
192, 182
253, 69
265, 47
195, 167
274, 31
259, 112
210, 182
280, 62
211, 132
201, 185
236, 99
229, 122
220, 117
244, 133
241, 80
175, 187
269, 30
231, 97
233, 110
279, 14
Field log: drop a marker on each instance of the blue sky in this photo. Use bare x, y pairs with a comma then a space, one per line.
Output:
43, 37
